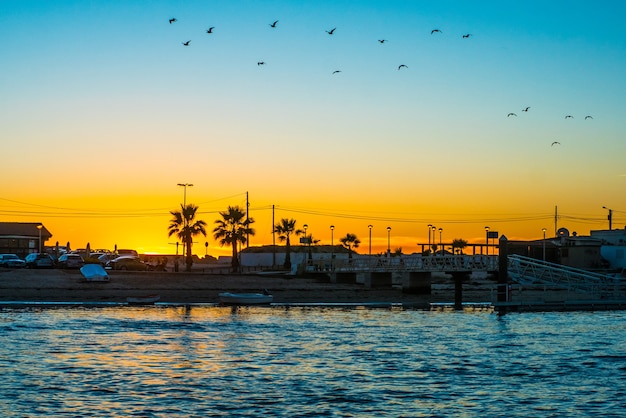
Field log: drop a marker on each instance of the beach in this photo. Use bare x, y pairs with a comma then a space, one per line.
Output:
55, 285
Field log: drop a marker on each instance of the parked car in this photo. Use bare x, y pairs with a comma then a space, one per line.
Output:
39, 260
11, 261
70, 261
126, 262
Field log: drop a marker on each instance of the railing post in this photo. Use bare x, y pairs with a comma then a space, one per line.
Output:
503, 272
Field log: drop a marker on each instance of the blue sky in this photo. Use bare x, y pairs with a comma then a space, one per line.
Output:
106, 90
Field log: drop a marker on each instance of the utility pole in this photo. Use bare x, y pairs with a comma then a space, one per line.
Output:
610, 217
247, 220
273, 240
556, 220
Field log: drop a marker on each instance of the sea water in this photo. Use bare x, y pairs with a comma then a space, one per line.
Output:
202, 361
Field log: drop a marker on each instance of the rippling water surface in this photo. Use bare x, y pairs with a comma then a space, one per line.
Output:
214, 361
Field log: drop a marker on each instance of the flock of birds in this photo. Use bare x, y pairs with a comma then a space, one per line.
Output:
274, 25
330, 32
527, 108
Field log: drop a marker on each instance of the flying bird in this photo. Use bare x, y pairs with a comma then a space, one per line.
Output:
210, 30
260, 63
569, 116
526, 109
382, 41
336, 71
172, 20
186, 43
273, 25
467, 35
588, 117
330, 32
402, 66
435, 30
511, 114
555, 143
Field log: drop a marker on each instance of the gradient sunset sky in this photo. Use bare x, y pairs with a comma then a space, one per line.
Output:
103, 111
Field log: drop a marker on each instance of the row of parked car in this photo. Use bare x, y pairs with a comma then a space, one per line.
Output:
73, 261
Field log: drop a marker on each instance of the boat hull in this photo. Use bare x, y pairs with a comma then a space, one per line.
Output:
245, 299
94, 273
142, 300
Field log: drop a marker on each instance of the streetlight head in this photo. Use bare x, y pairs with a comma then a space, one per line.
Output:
440, 229
487, 228
388, 228
39, 226
370, 226
332, 227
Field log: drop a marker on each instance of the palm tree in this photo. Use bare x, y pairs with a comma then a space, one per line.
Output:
284, 229
185, 227
350, 241
233, 229
460, 244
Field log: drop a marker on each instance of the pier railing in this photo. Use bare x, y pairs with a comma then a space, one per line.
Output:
432, 263
536, 273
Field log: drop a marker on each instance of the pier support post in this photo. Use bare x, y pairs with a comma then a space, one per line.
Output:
458, 289
503, 269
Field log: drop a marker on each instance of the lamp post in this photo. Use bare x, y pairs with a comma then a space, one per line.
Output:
370, 228
429, 228
388, 241
441, 249
610, 217
305, 226
433, 228
39, 228
332, 246
487, 239
544, 243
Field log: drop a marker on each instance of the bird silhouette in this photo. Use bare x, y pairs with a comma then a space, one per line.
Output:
526, 109
588, 117
260, 63
186, 43
402, 66
467, 35
569, 116
555, 143
330, 32
273, 25
172, 20
336, 71
511, 114
382, 41
435, 30
210, 30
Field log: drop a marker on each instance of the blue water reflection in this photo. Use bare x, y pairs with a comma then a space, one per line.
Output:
216, 361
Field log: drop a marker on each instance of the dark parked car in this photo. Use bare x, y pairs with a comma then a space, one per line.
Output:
127, 263
11, 261
39, 260
70, 261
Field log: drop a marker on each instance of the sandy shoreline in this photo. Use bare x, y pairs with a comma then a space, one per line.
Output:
26, 285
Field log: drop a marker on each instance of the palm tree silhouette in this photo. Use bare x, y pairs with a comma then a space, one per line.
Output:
185, 226
350, 241
233, 229
284, 229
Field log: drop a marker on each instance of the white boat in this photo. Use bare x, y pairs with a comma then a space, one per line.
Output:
94, 273
143, 300
228, 298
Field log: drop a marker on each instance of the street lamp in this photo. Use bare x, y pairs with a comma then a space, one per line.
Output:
39, 228
433, 228
388, 241
429, 228
487, 239
370, 228
441, 249
610, 217
305, 226
544, 243
332, 247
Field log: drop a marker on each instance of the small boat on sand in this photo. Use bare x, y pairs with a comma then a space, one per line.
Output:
94, 273
228, 298
143, 300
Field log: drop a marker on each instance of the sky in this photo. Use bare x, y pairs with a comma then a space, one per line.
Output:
104, 110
